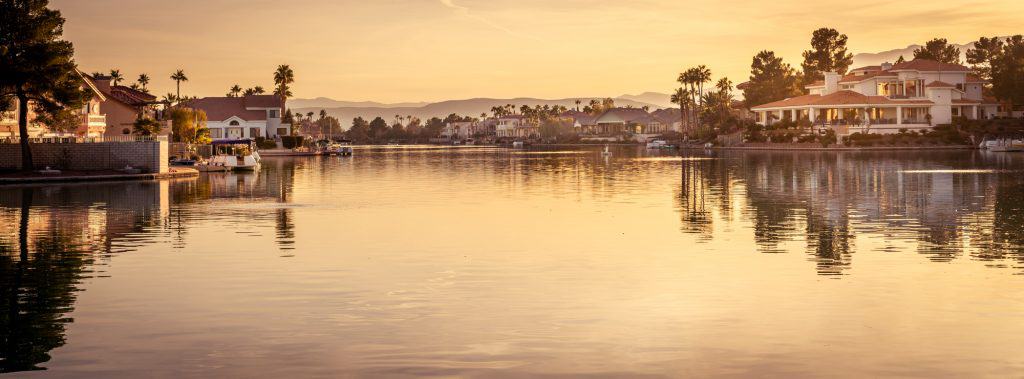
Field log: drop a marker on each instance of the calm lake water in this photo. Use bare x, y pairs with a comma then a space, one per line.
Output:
487, 262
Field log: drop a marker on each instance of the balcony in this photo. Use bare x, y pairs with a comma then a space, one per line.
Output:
96, 120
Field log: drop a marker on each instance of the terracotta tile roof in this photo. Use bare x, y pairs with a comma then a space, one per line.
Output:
629, 114
929, 65
130, 96
851, 78
939, 84
839, 98
867, 68
263, 101
583, 118
223, 108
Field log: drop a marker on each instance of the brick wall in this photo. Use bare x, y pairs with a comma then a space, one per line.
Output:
150, 156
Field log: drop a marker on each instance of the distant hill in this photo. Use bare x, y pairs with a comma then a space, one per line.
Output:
874, 59
323, 102
468, 107
663, 100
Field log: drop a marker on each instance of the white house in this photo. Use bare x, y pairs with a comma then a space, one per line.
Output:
243, 117
516, 126
914, 95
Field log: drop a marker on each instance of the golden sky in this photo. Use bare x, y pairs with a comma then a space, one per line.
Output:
428, 50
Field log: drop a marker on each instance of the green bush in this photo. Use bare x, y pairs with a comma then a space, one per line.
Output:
291, 142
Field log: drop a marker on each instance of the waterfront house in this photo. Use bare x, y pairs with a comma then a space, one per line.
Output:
629, 120
124, 105
914, 95
582, 122
459, 130
93, 120
243, 117
516, 126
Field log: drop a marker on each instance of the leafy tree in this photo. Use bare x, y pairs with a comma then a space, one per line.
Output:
37, 65
378, 129
981, 55
828, 53
178, 77
145, 126
940, 50
283, 78
189, 125
901, 59
359, 132
1008, 72
433, 127
770, 80
62, 121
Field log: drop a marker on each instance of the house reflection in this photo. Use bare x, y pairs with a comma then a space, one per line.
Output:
928, 200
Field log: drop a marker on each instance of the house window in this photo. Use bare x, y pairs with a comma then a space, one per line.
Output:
233, 123
273, 113
216, 133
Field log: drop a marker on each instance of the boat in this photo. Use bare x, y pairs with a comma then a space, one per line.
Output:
183, 162
607, 151
1003, 145
235, 155
343, 148
657, 144
518, 145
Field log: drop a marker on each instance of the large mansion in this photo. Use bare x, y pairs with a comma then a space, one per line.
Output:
243, 117
912, 95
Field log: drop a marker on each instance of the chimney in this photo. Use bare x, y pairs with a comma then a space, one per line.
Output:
102, 83
831, 82
886, 66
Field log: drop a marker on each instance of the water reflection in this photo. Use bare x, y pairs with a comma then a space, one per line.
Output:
66, 234
466, 261
943, 204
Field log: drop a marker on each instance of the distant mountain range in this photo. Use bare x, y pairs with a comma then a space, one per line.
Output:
874, 59
346, 110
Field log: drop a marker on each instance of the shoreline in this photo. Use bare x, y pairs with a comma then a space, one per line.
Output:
175, 173
838, 149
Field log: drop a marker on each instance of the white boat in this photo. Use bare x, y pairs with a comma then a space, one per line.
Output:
657, 144
518, 145
1003, 145
343, 149
234, 155
607, 151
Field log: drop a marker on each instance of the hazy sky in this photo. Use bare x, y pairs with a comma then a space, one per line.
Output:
425, 50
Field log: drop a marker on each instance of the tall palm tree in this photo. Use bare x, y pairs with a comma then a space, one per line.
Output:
258, 90
283, 77
235, 90
178, 77
309, 115
144, 82
679, 97
578, 102
701, 75
115, 77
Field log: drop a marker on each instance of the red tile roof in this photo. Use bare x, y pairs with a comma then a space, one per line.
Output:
939, 84
867, 68
839, 98
223, 108
851, 78
929, 65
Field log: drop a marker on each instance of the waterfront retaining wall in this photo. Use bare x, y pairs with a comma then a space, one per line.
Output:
149, 156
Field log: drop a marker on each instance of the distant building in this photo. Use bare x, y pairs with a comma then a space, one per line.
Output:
630, 120
911, 95
243, 117
93, 120
516, 126
123, 105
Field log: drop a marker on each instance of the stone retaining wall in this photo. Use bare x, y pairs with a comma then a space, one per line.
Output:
150, 156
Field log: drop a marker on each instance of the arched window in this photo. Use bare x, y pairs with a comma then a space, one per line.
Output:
126, 131
234, 123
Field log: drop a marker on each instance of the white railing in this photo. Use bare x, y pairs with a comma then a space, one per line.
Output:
107, 139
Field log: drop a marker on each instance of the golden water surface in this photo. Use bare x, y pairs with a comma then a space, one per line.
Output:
487, 262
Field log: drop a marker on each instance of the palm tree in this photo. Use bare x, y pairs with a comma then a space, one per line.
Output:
115, 77
235, 90
724, 86
178, 77
144, 81
309, 115
578, 102
701, 75
283, 77
679, 97
323, 114
170, 98
258, 90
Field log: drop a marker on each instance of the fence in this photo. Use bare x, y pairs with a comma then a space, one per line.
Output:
75, 139
148, 155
